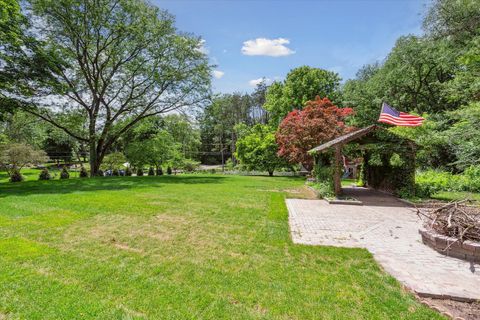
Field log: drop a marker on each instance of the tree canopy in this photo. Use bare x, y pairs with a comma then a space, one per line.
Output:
113, 62
257, 150
302, 130
302, 84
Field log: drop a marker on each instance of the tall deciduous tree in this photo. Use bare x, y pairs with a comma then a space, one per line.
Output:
116, 62
302, 130
257, 150
218, 122
301, 85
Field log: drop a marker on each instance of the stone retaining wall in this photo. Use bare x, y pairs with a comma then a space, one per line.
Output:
468, 250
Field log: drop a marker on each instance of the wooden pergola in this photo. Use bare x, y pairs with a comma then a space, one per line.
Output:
337, 145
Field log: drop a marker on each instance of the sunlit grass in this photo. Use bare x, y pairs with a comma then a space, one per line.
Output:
178, 247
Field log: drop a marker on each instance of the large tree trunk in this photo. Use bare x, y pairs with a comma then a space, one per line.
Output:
93, 147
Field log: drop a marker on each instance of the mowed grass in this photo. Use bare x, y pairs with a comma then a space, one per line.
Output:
178, 247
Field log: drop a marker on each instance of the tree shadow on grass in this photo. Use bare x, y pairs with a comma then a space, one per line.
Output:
99, 184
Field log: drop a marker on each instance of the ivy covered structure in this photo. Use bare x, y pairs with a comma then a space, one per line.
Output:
388, 160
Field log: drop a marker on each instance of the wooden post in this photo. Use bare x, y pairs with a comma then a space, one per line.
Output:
337, 174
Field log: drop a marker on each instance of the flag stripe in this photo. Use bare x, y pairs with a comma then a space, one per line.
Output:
403, 125
386, 116
391, 116
398, 121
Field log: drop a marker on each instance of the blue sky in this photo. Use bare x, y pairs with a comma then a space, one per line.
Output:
248, 40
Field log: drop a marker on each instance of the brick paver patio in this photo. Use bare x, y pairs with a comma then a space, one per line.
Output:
389, 230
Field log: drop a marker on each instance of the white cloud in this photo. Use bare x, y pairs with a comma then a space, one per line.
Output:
255, 82
267, 47
202, 48
218, 74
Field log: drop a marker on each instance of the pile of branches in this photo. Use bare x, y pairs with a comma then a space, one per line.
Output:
458, 219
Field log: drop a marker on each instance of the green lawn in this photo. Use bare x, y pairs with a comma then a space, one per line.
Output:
178, 247
456, 195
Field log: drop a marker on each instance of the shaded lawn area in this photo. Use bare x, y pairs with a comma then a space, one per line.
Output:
178, 247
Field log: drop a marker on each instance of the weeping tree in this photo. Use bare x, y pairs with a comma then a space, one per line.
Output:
115, 62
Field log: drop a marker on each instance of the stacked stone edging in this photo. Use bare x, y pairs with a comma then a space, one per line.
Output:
467, 250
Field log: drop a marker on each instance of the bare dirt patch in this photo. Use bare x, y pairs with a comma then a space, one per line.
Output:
302, 192
125, 232
454, 309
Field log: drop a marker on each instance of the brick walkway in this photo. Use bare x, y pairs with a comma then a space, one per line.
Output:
389, 230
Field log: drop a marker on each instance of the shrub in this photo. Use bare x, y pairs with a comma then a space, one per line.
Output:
169, 170
44, 175
100, 173
159, 171
151, 172
83, 172
435, 180
229, 165
472, 177
16, 176
422, 190
128, 172
139, 172
64, 173
115, 172
191, 165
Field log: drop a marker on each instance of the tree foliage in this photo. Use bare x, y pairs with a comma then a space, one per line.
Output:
302, 84
302, 130
16, 156
436, 74
114, 160
257, 150
115, 63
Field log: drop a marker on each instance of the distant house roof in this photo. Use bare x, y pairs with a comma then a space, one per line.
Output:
346, 138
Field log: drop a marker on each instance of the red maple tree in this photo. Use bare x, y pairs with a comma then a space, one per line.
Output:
302, 130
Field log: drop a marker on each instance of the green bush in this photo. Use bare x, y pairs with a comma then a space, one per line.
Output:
423, 190
169, 170
64, 174
16, 176
151, 172
83, 172
324, 180
128, 172
115, 172
229, 165
159, 171
139, 172
100, 173
435, 180
191, 165
472, 175
44, 175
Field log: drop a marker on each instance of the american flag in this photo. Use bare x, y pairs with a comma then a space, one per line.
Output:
391, 116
